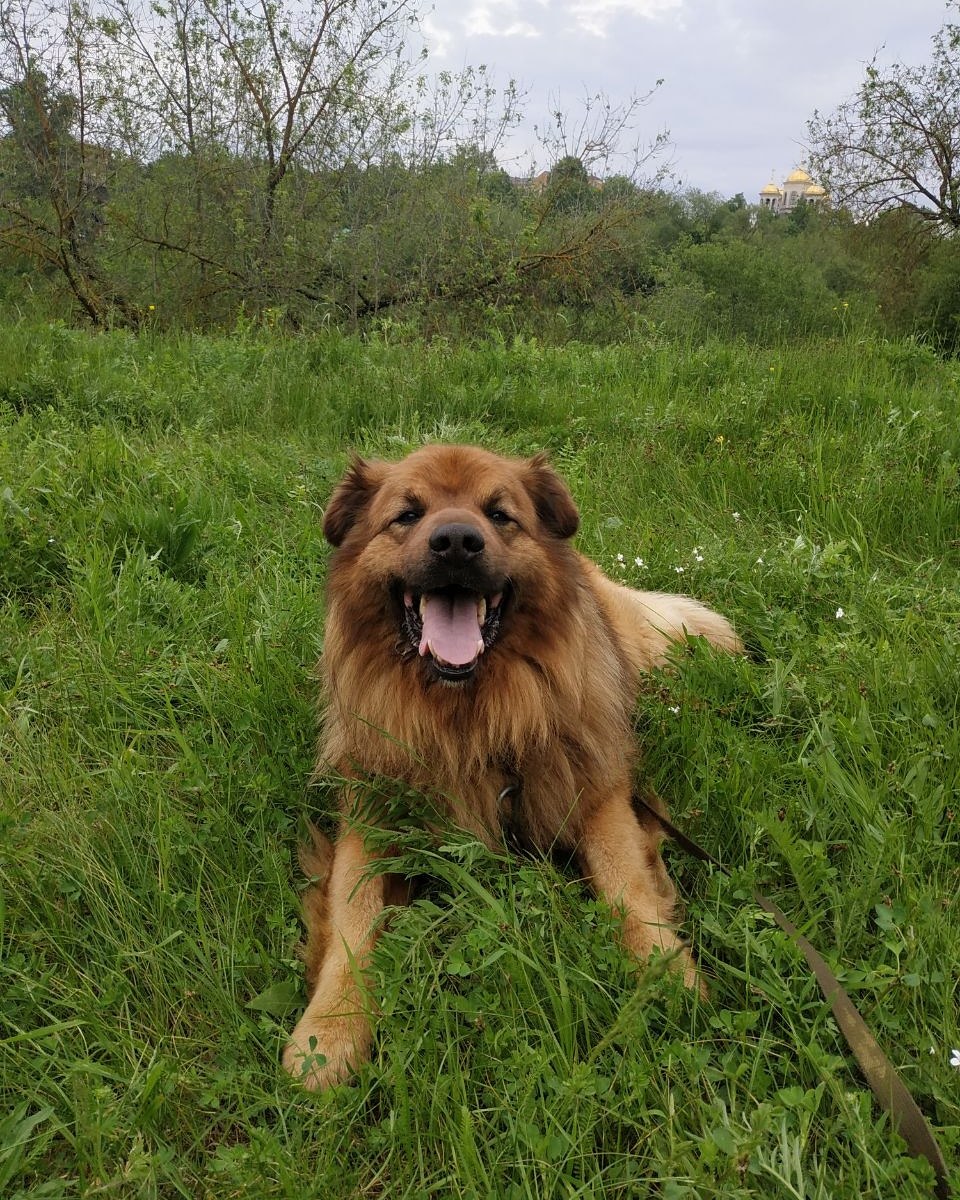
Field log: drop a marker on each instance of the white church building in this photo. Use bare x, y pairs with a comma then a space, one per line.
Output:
798, 188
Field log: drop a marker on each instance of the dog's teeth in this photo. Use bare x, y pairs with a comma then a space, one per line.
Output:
482, 609
495, 600
408, 599
423, 604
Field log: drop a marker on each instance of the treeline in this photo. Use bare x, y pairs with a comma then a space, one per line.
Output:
204, 163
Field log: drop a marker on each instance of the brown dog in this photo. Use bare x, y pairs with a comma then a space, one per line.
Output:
469, 645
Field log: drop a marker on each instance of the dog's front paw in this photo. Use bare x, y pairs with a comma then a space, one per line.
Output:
324, 1051
645, 939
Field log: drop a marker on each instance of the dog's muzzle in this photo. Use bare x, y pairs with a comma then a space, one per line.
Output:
451, 627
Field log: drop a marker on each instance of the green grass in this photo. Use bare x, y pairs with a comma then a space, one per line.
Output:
161, 584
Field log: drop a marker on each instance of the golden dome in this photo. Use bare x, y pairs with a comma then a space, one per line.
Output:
798, 175
815, 190
771, 189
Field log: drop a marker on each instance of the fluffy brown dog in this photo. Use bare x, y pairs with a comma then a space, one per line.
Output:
468, 645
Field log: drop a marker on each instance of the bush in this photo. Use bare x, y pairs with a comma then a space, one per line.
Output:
765, 287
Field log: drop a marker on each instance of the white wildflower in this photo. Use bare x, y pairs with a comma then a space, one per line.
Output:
839, 613
619, 558
955, 1059
675, 709
640, 562
759, 562
736, 516
679, 570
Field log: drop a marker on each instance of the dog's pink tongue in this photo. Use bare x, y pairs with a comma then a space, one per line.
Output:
451, 629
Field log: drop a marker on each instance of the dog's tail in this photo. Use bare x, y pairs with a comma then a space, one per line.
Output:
315, 861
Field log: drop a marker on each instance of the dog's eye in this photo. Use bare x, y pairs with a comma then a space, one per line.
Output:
409, 516
499, 517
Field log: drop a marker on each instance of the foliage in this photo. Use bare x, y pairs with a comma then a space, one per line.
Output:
161, 580
211, 164
246, 101
937, 303
766, 280
184, 163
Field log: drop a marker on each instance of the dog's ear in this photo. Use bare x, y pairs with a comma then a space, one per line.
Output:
350, 497
551, 497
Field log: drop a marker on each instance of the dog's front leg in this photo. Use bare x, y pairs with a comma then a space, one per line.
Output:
334, 1034
622, 859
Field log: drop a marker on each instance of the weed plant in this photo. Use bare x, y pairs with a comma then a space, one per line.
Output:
161, 608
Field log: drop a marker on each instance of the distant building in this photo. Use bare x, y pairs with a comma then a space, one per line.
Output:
798, 188
540, 183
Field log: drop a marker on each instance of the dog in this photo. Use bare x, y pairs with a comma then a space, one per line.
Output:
468, 648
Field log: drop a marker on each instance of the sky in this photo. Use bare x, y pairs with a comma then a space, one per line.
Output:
741, 78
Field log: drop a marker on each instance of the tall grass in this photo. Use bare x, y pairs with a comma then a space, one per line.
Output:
161, 578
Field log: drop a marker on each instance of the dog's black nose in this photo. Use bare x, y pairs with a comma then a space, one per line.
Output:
457, 543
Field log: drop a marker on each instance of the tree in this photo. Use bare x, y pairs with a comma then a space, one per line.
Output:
602, 135
55, 175
570, 188
896, 143
262, 102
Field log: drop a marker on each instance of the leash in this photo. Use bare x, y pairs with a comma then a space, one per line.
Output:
877, 1068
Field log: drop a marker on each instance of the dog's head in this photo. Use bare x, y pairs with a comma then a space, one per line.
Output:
452, 547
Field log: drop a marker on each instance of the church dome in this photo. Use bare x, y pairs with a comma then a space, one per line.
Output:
798, 175
815, 190
771, 189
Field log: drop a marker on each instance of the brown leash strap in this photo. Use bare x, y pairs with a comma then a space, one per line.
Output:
878, 1070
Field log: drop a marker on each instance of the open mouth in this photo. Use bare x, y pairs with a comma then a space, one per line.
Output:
452, 627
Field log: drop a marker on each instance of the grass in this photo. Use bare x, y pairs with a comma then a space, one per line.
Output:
161, 583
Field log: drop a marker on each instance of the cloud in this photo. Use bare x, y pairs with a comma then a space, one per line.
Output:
498, 18
507, 18
436, 37
594, 16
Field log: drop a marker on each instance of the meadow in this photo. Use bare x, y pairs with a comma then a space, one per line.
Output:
161, 608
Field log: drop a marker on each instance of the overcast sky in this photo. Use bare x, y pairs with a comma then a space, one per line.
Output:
741, 77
